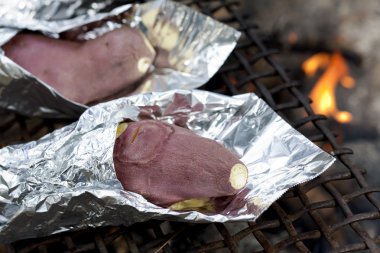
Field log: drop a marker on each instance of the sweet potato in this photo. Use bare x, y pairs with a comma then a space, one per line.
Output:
172, 166
84, 71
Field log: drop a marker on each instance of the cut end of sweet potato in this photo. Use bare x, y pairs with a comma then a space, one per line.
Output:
150, 17
168, 35
121, 129
144, 64
193, 205
238, 176
161, 32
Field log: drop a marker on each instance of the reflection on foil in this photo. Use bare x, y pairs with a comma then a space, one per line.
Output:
190, 47
66, 180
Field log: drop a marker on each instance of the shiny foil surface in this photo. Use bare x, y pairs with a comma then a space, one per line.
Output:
196, 46
66, 180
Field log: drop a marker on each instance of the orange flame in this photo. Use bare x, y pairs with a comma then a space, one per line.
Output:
323, 93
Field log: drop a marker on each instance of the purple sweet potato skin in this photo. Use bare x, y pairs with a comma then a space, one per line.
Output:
167, 163
83, 71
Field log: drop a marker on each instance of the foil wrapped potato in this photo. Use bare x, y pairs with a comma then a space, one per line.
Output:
173, 167
87, 71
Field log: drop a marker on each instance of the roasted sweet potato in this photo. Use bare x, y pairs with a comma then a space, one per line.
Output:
84, 71
173, 167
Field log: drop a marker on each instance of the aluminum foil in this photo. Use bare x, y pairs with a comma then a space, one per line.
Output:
196, 47
66, 180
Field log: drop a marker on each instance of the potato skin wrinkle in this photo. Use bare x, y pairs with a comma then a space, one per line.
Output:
167, 164
84, 71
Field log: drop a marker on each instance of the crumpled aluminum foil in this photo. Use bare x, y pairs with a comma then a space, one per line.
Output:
201, 47
66, 180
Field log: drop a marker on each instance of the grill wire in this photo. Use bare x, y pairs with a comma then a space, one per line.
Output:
318, 216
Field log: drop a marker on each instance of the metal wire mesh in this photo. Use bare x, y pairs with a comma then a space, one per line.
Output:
337, 212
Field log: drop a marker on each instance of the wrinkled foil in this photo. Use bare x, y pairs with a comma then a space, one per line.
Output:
202, 46
67, 181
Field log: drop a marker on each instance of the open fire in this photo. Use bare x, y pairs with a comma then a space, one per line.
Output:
324, 92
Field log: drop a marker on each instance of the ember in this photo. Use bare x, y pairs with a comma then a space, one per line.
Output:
323, 94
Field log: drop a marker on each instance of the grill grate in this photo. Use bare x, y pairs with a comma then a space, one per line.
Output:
319, 216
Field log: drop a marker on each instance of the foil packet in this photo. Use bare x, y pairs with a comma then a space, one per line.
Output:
67, 181
195, 46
